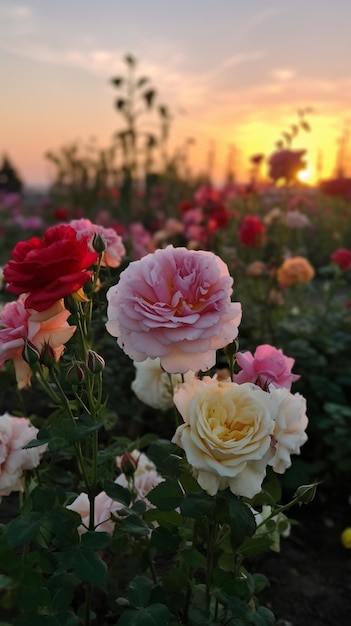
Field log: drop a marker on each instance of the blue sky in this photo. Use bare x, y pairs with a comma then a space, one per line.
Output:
232, 73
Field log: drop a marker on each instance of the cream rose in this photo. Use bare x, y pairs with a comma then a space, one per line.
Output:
226, 435
154, 386
290, 425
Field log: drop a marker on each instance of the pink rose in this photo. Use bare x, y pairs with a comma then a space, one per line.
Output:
174, 304
18, 324
114, 251
104, 506
16, 432
268, 365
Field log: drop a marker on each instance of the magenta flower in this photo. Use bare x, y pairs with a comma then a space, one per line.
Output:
268, 365
174, 304
114, 250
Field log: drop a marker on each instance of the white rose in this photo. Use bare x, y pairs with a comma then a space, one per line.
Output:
226, 435
290, 425
277, 526
154, 386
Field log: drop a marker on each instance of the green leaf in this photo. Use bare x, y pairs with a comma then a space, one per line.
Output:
96, 540
66, 618
29, 619
167, 495
163, 539
153, 615
23, 529
33, 598
139, 591
5, 582
194, 558
198, 505
117, 492
263, 617
85, 564
133, 525
241, 520
167, 519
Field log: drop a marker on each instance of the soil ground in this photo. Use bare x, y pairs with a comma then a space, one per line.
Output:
310, 579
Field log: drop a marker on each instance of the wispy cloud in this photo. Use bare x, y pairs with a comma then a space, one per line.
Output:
283, 73
242, 58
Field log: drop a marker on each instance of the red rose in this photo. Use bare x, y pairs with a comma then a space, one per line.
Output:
51, 268
252, 232
342, 258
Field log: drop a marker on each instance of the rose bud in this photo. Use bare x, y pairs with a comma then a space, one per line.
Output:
75, 374
30, 353
47, 356
99, 243
95, 362
128, 464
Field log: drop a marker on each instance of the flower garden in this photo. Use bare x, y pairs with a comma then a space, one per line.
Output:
175, 387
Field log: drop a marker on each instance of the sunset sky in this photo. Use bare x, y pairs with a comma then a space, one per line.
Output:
232, 74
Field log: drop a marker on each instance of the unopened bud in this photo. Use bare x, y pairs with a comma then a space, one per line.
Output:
99, 243
75, 374
30, 353
306, 493
47, 356
95, 362
128, 464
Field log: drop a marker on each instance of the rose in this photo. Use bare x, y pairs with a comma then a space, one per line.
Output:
267, 365
226, 434
114, 251
174, 304
46, 328
153, 385
252, 232
104, 506
274, 527
342, 258
295, 270
144, 478
295, 219
15, 433
289, 429
51, 268
286, 164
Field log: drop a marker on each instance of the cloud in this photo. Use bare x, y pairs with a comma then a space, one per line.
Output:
241, 58
283, 73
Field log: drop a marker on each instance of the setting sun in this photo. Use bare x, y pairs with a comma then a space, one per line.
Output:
306, 175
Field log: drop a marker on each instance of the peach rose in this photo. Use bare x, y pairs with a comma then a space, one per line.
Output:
18, 324
295, 270
226, 434
15, 433
174, 304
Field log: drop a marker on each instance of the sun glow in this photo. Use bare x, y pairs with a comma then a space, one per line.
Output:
306, 175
